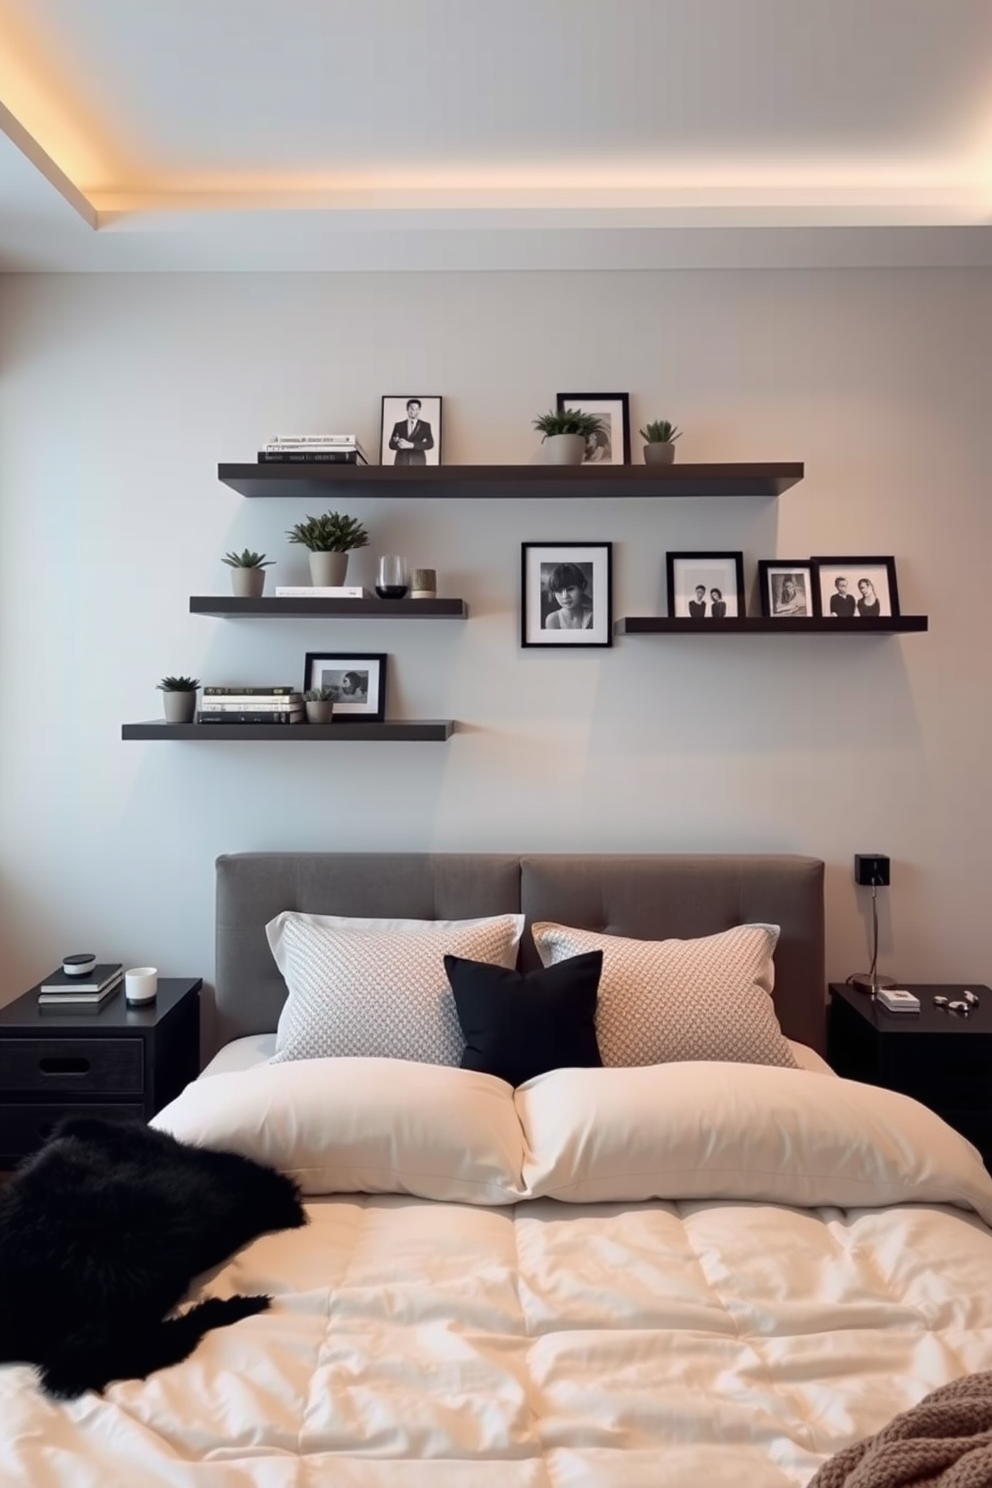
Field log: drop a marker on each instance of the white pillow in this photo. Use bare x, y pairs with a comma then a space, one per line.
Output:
667, 1000
362, 1126
361, 988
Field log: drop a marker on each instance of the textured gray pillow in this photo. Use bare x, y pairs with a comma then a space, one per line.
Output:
667, 1000
374, 988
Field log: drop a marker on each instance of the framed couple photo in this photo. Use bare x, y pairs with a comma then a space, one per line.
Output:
838, 588
706, 586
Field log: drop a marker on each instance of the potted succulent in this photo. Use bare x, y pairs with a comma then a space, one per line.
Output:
319, 703
247, 573
330, 538
565, 434
660, 437
179, 698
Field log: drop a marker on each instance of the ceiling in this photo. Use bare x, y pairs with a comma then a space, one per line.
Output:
321, 134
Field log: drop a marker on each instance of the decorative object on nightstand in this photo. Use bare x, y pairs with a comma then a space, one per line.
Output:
940, 1058
330, 538
110, 1060
179, 698
140, 985
247, 573
659, 442
872, 870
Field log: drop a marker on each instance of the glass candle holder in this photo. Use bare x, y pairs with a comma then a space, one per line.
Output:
392, 577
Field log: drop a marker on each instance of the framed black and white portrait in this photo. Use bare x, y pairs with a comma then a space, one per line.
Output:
356, 681
566, 594
706, 586
856, 588
786, 589
411, 430
611, 444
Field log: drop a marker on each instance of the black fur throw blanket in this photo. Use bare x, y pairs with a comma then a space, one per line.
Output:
101, 1234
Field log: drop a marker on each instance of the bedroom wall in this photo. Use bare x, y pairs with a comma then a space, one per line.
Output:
120, 394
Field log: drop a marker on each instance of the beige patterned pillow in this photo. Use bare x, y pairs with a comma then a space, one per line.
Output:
361, 988
667, 1000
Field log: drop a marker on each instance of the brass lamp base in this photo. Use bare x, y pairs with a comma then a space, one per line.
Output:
865, 982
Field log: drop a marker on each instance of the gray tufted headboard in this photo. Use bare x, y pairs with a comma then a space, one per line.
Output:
649, 896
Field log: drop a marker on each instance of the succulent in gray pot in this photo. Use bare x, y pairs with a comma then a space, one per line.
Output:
659, 437
247, 573
319, 703
330, 538
179, 698
565, 434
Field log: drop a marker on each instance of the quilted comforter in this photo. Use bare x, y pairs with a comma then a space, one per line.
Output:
659, 1278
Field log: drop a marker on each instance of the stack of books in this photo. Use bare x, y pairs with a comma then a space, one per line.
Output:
62, 990
275, 705
313, 449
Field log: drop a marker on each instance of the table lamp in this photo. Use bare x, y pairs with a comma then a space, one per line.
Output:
871, 870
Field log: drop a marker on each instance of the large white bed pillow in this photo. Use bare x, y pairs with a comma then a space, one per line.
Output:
377, 988
363, 1126
667, 1000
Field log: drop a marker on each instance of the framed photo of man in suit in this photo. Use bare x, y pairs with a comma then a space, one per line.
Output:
411, 430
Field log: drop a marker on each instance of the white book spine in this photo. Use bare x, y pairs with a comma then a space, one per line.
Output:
316, 591
307, 441
251, 705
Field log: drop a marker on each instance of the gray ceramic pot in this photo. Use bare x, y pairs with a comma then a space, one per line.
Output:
179, 707
247, 583
320, 712
565, 449
328, 570
659, 453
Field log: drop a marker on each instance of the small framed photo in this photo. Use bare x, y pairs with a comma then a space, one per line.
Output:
706, 586
411, 430
611, 445
787, 588
566, 594
856, 588
357, 681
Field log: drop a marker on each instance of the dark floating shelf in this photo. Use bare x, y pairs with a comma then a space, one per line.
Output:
759, 625
401, 731
316, 482
269, 608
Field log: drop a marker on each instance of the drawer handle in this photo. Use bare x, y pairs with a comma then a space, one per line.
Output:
70, 1065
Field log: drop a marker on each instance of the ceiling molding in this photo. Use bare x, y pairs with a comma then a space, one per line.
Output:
43, 162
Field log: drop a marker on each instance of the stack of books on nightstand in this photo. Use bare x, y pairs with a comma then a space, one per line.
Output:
275, 705
62, 990
313, 449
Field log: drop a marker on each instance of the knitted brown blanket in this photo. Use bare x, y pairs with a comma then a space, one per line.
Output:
944, 1442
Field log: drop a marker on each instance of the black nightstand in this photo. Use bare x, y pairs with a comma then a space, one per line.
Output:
937, 1057
113, 1060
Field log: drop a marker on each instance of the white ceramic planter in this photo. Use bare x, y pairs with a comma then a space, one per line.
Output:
179, 707
328, 570
247, 583
565, 449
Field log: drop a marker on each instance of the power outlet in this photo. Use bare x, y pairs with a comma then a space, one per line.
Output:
871, 868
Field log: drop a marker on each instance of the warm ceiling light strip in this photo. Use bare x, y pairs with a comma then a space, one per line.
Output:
42, 161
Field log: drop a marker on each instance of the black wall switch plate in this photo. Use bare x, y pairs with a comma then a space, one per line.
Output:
871, 868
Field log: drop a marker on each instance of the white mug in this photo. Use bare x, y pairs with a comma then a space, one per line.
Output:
141, 984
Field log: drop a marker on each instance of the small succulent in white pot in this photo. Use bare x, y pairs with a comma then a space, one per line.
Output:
247, 573
565, 434
179, 698
319, 704
659, 437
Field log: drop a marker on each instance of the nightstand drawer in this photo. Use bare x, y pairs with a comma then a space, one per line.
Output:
24, 1128
79, 1066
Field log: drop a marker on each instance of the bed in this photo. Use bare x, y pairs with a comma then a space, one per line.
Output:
698, 1272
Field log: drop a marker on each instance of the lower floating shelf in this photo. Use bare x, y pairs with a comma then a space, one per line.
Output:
400, 731
761, 625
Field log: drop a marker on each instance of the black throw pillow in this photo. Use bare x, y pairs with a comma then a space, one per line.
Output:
517, 1025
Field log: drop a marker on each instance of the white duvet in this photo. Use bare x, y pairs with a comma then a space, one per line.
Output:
697, 1274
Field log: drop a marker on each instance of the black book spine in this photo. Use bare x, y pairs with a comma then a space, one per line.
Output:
270, 715
309, 457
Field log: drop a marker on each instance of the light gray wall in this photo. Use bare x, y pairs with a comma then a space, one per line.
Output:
120, 394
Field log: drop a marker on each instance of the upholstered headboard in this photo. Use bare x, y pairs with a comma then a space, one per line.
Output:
650, 896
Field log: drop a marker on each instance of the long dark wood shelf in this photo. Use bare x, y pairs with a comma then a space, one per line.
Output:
270, 607
316, 482
759, 624
398, 731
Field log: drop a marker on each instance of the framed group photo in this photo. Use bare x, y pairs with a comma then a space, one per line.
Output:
706, 586
411, 430
786, 588
856, 588
566, 594
355, 679
611, 444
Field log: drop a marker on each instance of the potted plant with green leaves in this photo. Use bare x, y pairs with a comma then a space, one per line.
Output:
330, 539
179, 698
247, 573
319, 703
659, 437
565, 434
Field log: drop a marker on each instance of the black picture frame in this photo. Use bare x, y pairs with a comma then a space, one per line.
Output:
395, 412
367, 707
878, 573
613, 406
592, 563
688, 573
787, 589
